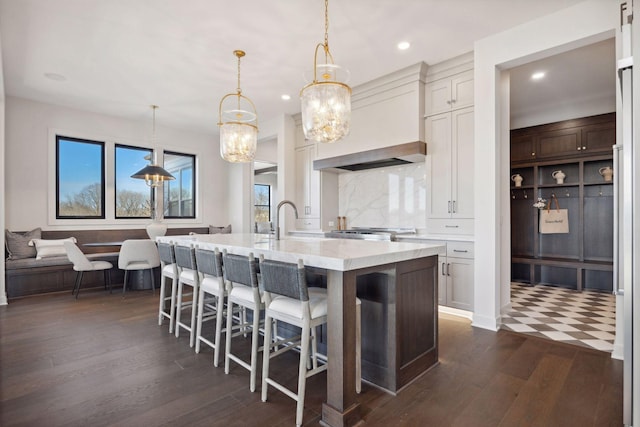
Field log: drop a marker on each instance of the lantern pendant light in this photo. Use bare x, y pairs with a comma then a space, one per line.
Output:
326, 101
238, 127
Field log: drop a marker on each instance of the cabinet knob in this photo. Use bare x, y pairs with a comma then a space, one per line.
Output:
453, 100
584, 148
451, 226
579, 148
449, 102
533, 154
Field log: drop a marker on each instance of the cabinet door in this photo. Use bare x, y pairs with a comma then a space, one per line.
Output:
462, 90
564, 142
522, 147
438, 97
314, 184
462, 128
302, 182
438, 135
460, 283
599, 138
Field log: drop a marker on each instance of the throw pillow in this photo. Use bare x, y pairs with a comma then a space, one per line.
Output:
50, 248
220, 230
17, 244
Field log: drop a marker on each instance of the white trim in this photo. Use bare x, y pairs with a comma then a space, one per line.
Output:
455, 312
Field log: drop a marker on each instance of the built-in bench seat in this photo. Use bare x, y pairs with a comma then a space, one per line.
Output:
32, 276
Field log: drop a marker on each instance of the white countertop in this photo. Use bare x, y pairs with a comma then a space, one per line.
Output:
332, 254
441, 237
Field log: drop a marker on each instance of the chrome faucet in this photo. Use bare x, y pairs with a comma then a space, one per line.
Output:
282, 203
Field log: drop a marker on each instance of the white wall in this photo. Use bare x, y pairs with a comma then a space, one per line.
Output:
30, 136
3, 293
583, 24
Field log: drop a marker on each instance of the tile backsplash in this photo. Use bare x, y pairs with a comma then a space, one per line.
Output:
386, 197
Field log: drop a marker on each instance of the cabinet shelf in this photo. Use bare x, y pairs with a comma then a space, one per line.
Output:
583, 257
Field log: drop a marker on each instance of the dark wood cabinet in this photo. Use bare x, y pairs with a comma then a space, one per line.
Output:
582, 258
574, 138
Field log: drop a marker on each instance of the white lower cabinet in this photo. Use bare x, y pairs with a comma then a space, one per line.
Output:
456, 276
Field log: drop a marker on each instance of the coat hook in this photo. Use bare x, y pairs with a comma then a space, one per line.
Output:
525, 194
568, 195
513, 196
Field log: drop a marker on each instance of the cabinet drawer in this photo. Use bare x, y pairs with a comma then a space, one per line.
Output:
460, 250
450, 226
308, 224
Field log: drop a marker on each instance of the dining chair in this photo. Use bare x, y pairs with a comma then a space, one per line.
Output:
81, 264
138, 254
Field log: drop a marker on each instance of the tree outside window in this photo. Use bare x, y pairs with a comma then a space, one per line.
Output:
133, 197
179, 199
262, 198
79, 178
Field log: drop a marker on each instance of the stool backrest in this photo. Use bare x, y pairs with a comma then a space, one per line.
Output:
209, 262
284, 278
185, 257
167, 253
240, 269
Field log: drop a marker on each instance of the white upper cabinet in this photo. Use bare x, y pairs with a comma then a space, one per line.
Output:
450, 168
449, 94
307, 183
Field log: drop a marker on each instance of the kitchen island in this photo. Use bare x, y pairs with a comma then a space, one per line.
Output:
397, 283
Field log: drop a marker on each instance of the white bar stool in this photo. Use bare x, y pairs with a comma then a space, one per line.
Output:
168, 269
188, 276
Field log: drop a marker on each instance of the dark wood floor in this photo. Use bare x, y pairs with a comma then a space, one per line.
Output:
103, 360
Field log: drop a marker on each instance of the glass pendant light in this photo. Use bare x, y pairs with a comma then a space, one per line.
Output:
238, 127
326, 101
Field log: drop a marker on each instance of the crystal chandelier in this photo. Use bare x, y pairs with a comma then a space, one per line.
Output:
238, 127
153, 174
326, 101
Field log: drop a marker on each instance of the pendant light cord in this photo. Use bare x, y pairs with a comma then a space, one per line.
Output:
326, 31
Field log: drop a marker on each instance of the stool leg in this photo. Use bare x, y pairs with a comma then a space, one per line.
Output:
302, 371
178, 308
161, 307
172, 315
228, 333
266, 355
199, 319
153, 281
255, 336
219, 316
194, 310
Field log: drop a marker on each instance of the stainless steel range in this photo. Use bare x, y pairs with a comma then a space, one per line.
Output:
370, 233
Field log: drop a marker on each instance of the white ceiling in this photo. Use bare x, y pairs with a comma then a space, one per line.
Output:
120, 56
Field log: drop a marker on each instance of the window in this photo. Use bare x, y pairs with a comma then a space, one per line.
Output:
133, 196
262, 198
79, 178
179, 194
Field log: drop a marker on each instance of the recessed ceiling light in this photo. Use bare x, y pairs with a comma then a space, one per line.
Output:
538, 75
55, 76
285, 97
404, 45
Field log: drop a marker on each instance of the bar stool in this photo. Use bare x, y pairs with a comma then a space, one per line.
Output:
241, 274
188, 276
168, 269
211, 283
288, 300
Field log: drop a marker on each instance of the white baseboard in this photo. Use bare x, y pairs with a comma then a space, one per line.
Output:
455, 312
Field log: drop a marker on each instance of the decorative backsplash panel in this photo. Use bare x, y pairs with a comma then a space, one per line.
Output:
386, 197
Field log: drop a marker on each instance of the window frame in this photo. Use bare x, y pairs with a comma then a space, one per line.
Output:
165, 192
115, 181
255, 205
102, 145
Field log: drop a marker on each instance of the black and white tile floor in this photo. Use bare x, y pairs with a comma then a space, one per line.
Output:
586, 318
